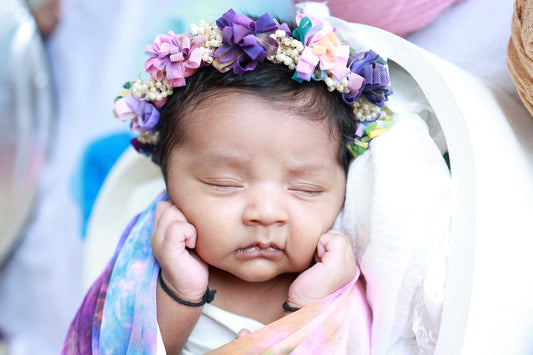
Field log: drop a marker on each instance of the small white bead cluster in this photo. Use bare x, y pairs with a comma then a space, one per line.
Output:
333, 84
148, 137
213, 38
365, 111
150, 90
289, 50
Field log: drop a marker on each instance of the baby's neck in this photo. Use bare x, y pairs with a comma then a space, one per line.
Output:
261, 301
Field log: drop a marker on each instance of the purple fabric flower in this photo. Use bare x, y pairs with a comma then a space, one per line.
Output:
245, 42
174, 57
143, 115
375, 86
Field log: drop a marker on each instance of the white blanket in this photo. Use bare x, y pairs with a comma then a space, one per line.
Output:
398, 208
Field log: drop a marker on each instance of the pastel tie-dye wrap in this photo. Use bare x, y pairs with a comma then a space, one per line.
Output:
118, 314
337, 324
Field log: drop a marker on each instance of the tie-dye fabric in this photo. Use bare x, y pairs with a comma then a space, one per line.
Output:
118, 314
338, 324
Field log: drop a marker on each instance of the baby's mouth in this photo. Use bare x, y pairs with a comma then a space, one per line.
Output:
270, 251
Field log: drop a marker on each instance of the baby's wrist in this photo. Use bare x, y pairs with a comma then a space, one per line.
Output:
300, 297
193, 296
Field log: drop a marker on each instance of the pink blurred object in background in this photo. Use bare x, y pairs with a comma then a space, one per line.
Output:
400, 17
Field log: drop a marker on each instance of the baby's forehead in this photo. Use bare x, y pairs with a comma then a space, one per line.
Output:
263, 105
240, 130
246, 113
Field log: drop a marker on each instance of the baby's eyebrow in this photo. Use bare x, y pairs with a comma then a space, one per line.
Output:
238, 161
312, 169
225, 160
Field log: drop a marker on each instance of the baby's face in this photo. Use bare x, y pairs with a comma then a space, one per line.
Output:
260, 185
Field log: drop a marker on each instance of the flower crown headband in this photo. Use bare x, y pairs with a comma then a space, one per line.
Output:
238, 43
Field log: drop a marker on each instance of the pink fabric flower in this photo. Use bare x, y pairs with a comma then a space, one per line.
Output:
174, 57
324, 48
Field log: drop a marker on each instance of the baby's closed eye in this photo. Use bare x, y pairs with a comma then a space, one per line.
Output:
307, 190
223, 184
311, 190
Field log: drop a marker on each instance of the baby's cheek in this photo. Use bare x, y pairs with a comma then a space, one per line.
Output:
209, 251
304, 249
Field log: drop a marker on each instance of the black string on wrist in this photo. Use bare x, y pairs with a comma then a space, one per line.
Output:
208, 297
289, 308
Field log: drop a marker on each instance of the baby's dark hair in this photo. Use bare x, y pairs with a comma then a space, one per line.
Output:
269, 81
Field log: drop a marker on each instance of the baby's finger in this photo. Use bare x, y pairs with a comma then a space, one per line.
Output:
166, 212
181, 231
171, 229
159, 209
243, 332
334, 243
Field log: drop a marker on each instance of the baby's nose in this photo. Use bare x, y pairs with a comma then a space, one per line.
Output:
265, 205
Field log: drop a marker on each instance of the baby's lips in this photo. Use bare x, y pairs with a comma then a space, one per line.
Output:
257, 250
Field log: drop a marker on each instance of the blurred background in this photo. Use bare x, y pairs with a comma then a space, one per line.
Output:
62, 62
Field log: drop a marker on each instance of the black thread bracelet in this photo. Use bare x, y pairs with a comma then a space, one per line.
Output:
289, 308
208, 297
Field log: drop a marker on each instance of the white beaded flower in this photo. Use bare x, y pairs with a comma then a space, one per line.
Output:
148, 137
213, 38
150, 89
289, 50
333, 84
365, 111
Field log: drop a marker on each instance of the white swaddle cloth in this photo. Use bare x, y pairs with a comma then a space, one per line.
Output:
398, 209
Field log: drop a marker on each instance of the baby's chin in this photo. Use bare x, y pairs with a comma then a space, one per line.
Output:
260, 273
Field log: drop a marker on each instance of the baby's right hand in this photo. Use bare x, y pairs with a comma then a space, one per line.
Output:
173, 239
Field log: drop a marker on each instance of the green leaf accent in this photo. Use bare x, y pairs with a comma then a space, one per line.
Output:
304, 27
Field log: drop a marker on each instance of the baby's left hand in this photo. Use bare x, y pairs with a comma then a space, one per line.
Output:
335, 266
